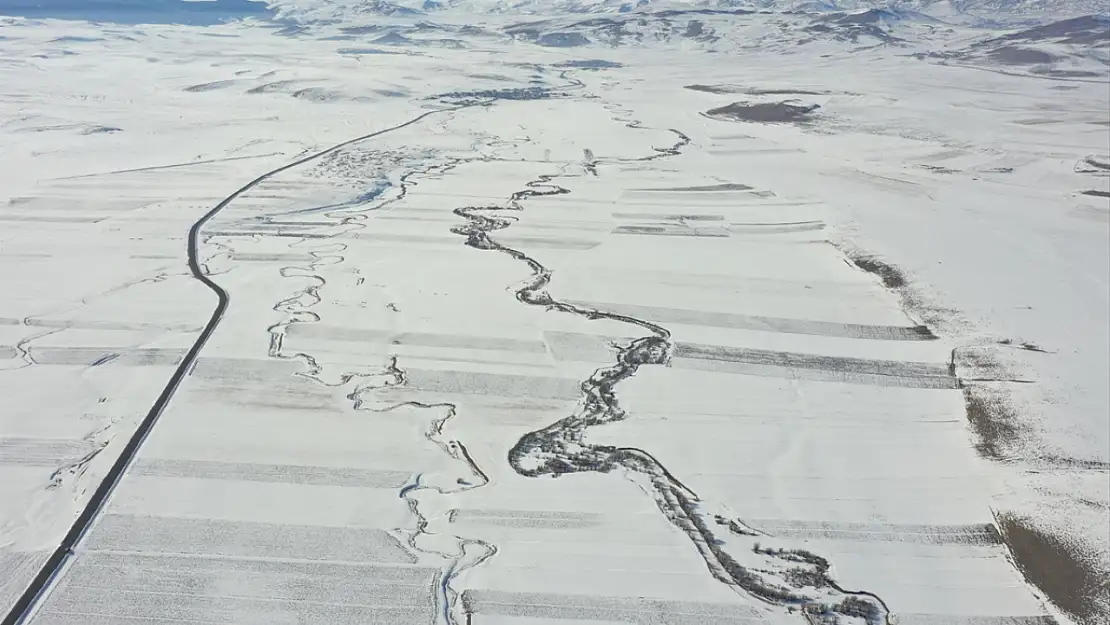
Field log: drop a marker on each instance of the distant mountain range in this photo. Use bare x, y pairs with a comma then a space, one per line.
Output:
957, 10
1063, 39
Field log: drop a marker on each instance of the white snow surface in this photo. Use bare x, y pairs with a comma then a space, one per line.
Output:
569, 341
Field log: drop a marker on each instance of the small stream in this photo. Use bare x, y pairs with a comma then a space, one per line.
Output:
795, 581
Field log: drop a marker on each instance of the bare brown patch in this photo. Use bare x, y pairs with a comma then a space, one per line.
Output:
936, 169
1061, 571
935, 319
764, 112
892, 277
993, 422
1013, 55
718, 89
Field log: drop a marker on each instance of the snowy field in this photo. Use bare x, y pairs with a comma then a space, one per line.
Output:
477, 314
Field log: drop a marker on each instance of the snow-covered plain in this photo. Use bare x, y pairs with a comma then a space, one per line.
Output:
567, 337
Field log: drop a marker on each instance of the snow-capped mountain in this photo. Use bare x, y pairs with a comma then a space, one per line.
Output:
928, 28
943, 9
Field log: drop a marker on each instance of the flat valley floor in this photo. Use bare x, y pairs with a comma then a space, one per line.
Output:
521, 335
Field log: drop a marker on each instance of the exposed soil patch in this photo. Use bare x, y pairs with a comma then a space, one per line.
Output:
782, 92
1011, 55
982, 363
891, 276
718, 89
993, 421
364, 51
209, 86
933, 318
589, 64
769, 112
1087, 29
727, 186
1063, 573
96, 130
281, 86
723, 89
1066, 73
936, 169
562, 40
